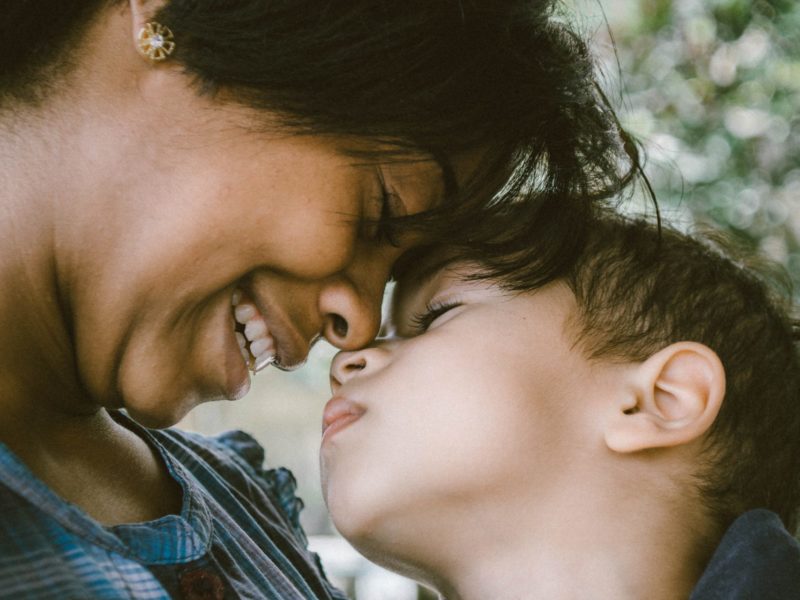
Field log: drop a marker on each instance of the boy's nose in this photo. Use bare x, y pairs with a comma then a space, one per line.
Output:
345, 366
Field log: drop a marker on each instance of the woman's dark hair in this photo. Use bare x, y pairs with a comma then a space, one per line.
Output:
421, 78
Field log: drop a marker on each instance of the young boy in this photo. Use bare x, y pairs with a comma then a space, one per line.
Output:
628, 431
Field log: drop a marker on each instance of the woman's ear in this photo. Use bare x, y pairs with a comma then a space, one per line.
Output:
141, 12
673, 398
153, 40
139, 15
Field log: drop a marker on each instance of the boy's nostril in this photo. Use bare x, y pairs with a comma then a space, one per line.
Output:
340, 326
356, 365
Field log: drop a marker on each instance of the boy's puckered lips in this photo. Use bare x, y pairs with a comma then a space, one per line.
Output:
338, 414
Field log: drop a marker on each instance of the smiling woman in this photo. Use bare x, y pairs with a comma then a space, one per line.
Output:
193, 190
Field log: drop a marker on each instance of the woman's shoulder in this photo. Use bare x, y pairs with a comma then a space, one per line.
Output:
238, 460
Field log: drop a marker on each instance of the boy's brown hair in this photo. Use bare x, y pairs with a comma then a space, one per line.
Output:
640, 288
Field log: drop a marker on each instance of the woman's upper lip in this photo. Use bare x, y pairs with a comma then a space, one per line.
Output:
290, 347
338, 408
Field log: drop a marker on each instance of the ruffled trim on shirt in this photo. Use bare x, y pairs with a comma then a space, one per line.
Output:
280, 483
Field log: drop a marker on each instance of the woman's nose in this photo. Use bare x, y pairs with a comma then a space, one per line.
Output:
346, 366
351, 317
351, 302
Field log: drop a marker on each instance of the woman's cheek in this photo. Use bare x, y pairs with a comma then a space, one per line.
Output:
312, 251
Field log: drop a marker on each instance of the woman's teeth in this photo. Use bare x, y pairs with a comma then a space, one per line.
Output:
253, 336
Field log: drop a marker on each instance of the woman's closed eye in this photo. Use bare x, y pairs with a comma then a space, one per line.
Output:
422, 321
386, 227
390, 207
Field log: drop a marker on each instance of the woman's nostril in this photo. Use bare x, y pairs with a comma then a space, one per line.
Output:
340, 326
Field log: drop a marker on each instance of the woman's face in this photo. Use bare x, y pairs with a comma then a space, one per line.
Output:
476, 401
191, 206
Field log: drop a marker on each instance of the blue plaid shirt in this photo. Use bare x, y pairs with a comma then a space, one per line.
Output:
237, 536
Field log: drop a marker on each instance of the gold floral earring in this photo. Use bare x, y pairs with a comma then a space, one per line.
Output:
155, 41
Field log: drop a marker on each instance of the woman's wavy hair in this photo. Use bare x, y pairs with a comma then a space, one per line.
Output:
420, 78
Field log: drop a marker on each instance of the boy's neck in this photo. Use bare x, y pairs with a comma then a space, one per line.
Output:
616, 548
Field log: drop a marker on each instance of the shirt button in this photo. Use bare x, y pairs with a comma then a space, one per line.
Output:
201, 585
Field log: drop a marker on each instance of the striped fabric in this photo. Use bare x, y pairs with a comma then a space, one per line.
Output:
238, 534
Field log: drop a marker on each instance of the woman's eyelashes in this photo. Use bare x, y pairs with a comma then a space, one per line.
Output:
386, 225
420, 322
390, 209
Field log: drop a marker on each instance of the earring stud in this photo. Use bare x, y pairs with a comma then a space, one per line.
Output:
155, 41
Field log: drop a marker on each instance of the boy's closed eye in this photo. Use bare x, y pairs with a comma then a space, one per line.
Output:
420, 322
422, 302
416, 323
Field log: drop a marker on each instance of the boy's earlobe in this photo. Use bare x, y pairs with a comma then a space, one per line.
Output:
674, 397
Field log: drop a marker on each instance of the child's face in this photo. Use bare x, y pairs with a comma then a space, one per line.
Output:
454, 411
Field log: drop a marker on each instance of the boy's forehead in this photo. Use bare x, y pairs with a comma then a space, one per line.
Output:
416, 272
420, 265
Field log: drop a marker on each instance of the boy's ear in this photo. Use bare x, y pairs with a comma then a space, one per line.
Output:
672, 398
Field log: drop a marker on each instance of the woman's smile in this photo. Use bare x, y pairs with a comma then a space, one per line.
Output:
253, 334
306, 269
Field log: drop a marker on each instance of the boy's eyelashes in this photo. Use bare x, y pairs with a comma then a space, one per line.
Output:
420, 322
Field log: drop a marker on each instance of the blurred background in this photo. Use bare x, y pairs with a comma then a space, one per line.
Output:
711, 88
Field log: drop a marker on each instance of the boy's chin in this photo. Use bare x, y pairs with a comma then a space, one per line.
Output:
348, 516
358, 519
375, 541
383, 532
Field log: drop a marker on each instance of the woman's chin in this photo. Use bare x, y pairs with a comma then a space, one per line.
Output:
162, 414
160, 394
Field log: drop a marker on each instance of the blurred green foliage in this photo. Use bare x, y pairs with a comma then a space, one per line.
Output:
712, 90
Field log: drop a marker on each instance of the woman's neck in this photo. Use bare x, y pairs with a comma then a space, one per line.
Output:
43, 175
46, 417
